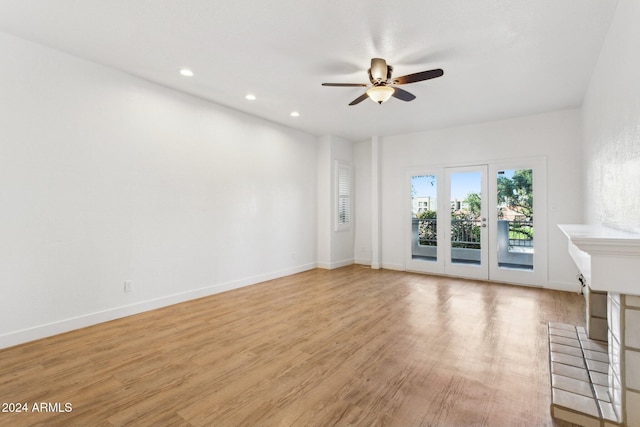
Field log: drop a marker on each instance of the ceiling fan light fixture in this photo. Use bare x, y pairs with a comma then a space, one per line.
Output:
380, 94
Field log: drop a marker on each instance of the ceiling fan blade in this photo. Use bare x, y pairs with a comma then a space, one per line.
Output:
359, 99
403, 94
378, 70
345, 84
418, 77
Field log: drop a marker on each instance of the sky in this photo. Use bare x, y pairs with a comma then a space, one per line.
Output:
462, 184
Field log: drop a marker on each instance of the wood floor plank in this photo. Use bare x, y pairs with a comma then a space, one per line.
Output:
351, 346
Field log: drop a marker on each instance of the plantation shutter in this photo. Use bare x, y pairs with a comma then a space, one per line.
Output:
343, 196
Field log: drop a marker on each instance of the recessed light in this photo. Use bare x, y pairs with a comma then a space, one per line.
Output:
250, 97
186, 72
295, 114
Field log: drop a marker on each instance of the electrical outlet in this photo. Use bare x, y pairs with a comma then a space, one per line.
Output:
128, 286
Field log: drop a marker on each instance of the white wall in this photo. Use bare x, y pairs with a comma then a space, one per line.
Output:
611, 126
105, 178
555, 136
363, 203
335, 247
325, 204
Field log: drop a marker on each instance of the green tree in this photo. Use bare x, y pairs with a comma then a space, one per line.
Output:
517, 192
427, 228
474, 202
427, 214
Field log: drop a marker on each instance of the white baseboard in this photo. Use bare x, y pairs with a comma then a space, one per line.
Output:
66, 325
397, 267
564, 286
362, 261
335, 264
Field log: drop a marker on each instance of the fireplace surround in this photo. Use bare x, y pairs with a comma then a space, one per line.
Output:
609, 260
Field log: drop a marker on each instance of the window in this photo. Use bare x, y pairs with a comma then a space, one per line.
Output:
343, 196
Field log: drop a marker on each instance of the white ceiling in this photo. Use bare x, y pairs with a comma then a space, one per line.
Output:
501, 58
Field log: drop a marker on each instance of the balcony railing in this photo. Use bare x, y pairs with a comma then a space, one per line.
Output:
521, 233
515, 242
466, 233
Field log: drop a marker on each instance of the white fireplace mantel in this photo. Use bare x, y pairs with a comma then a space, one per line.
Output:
608, 258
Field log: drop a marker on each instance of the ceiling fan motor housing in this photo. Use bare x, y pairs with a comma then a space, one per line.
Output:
387, 80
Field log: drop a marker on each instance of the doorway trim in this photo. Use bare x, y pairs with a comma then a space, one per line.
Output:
539, 276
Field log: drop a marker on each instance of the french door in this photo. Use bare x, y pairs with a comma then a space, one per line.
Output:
466, 227
479, 221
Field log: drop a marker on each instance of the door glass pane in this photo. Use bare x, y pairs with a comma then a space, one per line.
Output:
515, 219
424, 197
466, 197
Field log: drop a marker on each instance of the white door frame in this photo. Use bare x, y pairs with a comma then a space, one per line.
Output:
420, 265
536, 277
474, 271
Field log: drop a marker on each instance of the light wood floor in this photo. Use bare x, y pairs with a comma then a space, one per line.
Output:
345, 347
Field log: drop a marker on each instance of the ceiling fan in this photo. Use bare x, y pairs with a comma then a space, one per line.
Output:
382, 85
